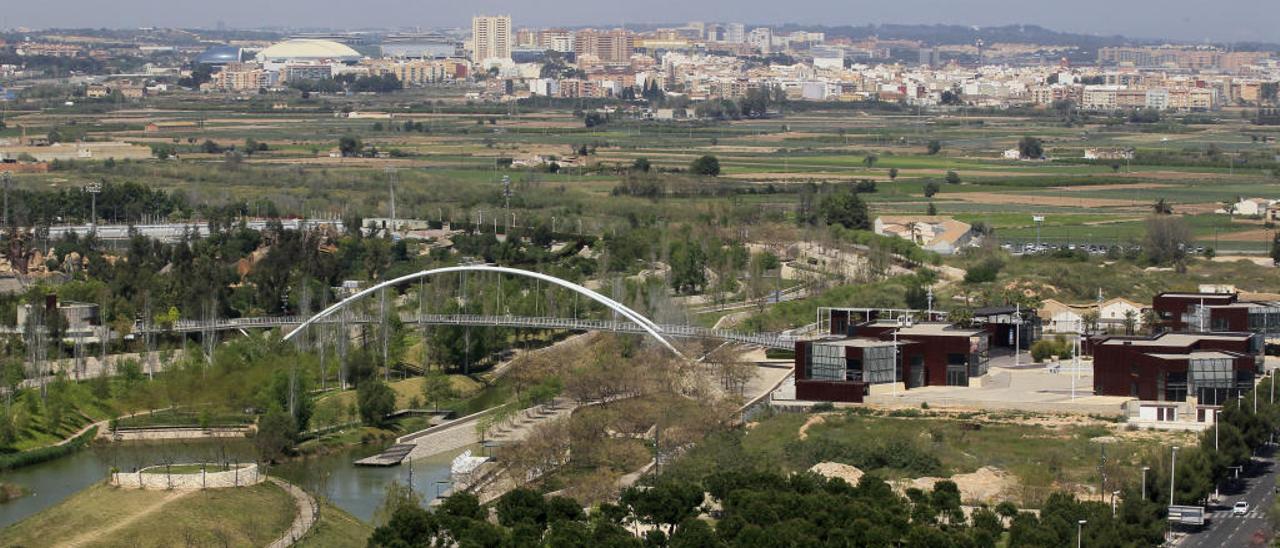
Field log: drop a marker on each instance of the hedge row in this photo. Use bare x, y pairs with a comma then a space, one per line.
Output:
43, 454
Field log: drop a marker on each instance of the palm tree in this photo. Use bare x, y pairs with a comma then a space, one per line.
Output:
1161, 207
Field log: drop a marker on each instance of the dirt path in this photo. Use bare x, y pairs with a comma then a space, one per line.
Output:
92, 536
305, 519
815, 420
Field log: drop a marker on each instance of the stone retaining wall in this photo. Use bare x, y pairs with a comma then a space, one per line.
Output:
154, 478
179, 433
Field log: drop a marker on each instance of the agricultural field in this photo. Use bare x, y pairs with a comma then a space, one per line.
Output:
452, 157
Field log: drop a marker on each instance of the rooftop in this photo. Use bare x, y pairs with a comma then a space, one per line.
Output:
1195, 356
1177, 339
855, 342
930, 328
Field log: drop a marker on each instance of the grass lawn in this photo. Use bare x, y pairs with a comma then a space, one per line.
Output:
105, 516
406, 390
336, 529
188, 469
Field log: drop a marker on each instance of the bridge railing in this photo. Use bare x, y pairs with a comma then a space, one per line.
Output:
771, 340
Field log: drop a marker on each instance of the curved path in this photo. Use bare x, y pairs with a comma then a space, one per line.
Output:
305, 520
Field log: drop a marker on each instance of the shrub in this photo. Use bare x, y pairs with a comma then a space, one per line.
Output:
45, 454
984, 272
1042, 350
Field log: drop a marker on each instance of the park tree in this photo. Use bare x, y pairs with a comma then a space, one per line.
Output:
931, 188
846, 209
1161, 207
870, 161
375, 401
707, 165
276, 433
688, 265
934, 147
1031, 147
893, 173
437, 388
1166, 240
1275, 248
952, 178
642, 165
349, 145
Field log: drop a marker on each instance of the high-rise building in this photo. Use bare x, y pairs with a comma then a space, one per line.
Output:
930, 57
761, 38
560, 40
698, 28
735, 33
615, 46
490, 37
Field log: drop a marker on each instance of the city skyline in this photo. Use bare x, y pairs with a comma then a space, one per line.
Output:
1182, 20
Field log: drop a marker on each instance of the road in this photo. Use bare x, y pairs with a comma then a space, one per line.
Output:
1226, 529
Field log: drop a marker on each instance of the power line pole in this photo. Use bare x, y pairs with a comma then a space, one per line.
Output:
391, 184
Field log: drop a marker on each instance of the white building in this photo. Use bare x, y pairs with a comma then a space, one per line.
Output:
762, 39
490, 37
735, 33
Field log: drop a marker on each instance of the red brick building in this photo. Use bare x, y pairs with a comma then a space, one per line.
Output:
1204, 368
844, 366
1215, 312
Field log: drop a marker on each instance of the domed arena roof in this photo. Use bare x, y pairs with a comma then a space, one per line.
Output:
219, 55
304, 49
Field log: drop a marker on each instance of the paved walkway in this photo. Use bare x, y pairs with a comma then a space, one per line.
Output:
306, 515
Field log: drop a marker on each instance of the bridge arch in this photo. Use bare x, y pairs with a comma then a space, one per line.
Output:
648, 326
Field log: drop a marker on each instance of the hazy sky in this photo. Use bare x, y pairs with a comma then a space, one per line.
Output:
1195, 20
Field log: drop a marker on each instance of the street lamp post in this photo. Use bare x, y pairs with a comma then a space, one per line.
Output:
1080, 532
1173, 474
1144, 481
93, 189
904, 321
1114, 495
1017, 335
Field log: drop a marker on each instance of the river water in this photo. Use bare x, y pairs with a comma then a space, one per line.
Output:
358, 490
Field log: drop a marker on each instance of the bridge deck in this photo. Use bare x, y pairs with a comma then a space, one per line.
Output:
768, 340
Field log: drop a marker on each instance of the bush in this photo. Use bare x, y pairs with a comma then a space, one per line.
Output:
1042, 350
375, 401
706, 165
984, 272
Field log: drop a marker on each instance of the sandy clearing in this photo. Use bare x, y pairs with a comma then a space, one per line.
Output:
850, 474
93, 535
988, 484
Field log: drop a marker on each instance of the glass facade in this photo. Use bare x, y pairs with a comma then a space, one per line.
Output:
877, 364
1264, 319
828, 362
825, 363
1212, 379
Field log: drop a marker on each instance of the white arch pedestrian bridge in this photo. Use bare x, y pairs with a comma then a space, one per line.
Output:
626, 320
